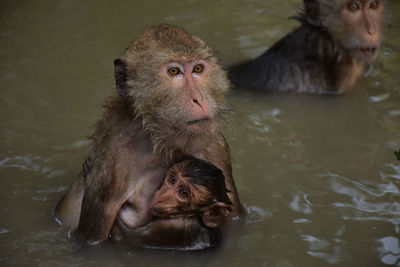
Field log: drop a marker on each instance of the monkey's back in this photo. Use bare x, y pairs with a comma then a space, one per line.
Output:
298, 62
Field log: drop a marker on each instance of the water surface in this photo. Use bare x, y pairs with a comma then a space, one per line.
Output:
317, 174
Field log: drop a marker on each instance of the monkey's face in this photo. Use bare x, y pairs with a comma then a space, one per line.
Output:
357, 25
189, 189
186, 95
177, 196
176, 82
189, 84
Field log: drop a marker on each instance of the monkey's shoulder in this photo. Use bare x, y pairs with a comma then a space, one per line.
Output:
294, 63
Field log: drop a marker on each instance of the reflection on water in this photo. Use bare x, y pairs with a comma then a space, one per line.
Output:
23, 162
31, 163
255, 215
389, 252
366, 201
321, 248
317, 175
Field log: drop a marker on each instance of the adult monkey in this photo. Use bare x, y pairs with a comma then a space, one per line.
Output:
170, 104
325, 54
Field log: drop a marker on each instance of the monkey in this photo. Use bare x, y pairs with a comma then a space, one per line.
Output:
191, 188
326, 54
170, 103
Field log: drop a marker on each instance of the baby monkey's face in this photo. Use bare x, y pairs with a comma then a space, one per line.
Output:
178, 195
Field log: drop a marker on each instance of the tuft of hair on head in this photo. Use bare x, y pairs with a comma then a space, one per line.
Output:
165, 41
206, 174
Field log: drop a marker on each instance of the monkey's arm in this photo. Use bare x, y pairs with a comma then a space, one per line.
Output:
98, 213
124, 181
106, 190
178, 233
219, 154
232, 191
67, 209
95, 221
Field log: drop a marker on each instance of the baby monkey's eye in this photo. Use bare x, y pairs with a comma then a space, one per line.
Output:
183, 193
374, 5
353, 7
172, 180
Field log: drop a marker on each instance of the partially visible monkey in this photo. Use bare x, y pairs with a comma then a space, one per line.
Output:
192, 188
170, 104
325, 54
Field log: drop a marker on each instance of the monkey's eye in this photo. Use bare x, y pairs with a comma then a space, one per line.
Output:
198, 68
374, 5
353, 7
174, 71
172, 180
183, 193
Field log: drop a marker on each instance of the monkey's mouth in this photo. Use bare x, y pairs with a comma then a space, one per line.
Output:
194, 122
368, 52
172, 214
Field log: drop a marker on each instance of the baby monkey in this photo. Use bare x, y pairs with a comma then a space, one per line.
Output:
192, 187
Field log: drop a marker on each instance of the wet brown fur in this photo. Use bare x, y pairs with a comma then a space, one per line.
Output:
317, 57
143, 131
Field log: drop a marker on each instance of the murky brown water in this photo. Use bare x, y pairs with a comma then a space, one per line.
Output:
317, 174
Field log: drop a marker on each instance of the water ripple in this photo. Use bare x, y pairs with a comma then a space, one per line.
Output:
255, 214
323, 249
379, 98
367, 200
3, 231
395, 168
23, 162
301, 205
389, 252
259, 120
32, 163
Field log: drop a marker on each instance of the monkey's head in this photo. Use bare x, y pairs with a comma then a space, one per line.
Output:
174, 80
193, 187
356, 26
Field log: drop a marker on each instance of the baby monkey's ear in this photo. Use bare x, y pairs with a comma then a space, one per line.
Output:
215, 214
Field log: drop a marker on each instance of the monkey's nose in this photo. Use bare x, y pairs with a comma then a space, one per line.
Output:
199, 108
196, 102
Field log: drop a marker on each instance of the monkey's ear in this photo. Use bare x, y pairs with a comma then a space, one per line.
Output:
120, 73
312, 12
214, 215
